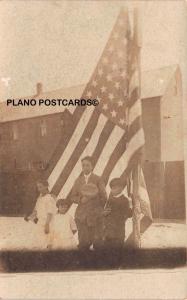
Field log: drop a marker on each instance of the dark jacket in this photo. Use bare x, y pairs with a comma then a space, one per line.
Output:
114, 222
90, 211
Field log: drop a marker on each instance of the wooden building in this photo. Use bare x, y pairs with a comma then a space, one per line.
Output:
163, 126
30, 136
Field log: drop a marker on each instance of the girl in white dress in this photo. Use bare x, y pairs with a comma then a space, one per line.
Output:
62, 229
42, 215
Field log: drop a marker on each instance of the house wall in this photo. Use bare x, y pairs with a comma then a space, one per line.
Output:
152, 128
174, 190
164, 155
24, 159
153, 168
34, 145
172, 148
22, 155
172, 121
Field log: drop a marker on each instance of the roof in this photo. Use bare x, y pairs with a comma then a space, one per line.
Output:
154, 84
12, 113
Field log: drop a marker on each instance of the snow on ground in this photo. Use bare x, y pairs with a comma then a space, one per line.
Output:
165, 235
16, 234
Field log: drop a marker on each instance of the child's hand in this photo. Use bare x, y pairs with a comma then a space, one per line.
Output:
35, 220
107, 211
46, 230
32, 217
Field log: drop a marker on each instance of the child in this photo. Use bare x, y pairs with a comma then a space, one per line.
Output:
63, 228
116, 212
42, 215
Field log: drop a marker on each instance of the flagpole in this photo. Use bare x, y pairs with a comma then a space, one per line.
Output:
138, 38
136, 172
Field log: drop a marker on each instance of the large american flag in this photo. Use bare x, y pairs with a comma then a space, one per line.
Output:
111, 132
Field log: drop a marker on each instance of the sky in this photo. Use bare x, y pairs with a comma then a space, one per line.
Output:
59, 43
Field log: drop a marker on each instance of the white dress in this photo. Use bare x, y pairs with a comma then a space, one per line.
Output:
44, 205
61, 236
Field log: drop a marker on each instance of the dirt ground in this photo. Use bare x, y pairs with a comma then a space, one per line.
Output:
16, 234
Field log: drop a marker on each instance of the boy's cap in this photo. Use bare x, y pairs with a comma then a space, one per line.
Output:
117, 182
61, 202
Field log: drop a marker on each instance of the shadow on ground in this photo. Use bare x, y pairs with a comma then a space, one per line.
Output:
58, 261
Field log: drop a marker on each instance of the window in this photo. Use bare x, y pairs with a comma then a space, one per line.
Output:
43, 128
29, 165
38, 165
15, 132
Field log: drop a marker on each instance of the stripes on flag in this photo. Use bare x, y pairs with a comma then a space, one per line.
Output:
88, 113
91, 146
97, 133
110, 146
64, 141
111, 133
83, 137
127, 160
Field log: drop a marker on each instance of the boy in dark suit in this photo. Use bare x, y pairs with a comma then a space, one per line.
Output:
117, 210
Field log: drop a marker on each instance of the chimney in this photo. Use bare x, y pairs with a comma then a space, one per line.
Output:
39, 89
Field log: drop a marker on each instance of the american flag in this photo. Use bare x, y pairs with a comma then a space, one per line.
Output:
111, 132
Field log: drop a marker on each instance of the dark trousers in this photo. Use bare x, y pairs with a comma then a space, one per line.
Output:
114, 251
114, 243
90, 235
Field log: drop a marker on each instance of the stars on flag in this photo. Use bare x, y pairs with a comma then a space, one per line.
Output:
123, 74
105, 106
113, 113
117, 85
109, 77
114, 66
114, 61
94, 83
120, 54
122, 121
124, 41
125, 93
89, 94
103, 89
120, 103
110, 80
111, 96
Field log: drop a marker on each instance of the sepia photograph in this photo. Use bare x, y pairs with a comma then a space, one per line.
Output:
92, 135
